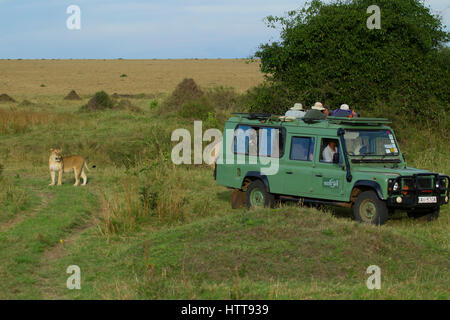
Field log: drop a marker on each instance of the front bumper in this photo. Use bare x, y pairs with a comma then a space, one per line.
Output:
411, 188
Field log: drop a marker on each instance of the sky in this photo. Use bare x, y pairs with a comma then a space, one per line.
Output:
138, 29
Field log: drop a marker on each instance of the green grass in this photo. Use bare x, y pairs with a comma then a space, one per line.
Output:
145, 229
22, 245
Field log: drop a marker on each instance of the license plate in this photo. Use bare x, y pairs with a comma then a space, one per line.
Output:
427, 199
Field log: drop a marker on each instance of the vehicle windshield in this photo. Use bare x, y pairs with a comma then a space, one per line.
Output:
370, 143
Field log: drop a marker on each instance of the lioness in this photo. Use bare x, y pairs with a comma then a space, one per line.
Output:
60, 164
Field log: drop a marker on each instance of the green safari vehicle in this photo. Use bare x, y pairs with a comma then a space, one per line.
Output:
349, 162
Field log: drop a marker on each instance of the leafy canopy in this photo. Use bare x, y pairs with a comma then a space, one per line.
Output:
327, 53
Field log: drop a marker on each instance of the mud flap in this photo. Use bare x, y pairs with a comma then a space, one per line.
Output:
237, 199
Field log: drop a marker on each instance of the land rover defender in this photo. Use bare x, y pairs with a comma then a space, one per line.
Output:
265, 158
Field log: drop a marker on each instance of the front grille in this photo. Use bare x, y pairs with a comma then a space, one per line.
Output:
425, 183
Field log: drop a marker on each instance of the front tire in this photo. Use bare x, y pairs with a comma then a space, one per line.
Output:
369, 208
257, 196
427, 215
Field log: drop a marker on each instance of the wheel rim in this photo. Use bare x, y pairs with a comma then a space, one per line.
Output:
367, 210
257, 198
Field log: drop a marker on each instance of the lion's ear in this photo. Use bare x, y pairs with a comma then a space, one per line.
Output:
51, 149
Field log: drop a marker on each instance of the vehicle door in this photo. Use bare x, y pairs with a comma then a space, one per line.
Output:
296, 168
328, 178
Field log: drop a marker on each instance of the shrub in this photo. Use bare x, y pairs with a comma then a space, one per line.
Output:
158, 143
212, 122
153, 104
223, 98
327, 53
267, 98
197, 109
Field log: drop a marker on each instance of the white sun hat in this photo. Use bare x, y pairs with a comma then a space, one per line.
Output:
297, 107
318, 106
345, 107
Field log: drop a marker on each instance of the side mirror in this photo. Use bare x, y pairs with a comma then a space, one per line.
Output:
336, 158
404, 158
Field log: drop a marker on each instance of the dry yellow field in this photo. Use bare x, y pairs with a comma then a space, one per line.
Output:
25, 77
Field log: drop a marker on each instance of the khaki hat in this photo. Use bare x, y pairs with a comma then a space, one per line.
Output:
345, 107
297, 107
318, 106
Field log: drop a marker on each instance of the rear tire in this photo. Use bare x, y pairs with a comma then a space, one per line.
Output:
426, 215
257, 196
368, 208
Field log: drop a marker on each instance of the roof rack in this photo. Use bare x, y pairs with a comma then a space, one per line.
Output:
359, 121
269, 117
258, 116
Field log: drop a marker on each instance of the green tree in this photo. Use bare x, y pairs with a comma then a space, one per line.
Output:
327, 53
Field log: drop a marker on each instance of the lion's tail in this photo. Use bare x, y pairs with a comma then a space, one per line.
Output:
86, 166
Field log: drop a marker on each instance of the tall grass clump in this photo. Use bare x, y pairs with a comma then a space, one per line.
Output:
12, 198
163, 192
152, 144
120, 212
13, 121
159, 198
158, 193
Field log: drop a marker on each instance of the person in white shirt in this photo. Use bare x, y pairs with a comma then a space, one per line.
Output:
296, 111
329, 151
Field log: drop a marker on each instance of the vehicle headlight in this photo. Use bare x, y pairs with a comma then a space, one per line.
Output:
395, 187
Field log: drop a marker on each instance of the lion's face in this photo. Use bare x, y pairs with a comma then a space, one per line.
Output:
56, 155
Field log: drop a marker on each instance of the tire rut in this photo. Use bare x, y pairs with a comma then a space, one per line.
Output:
46, 198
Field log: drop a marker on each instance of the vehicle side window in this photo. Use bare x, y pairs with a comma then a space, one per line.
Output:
245, 140
268, 146
262, 141
302, 148
328, 148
